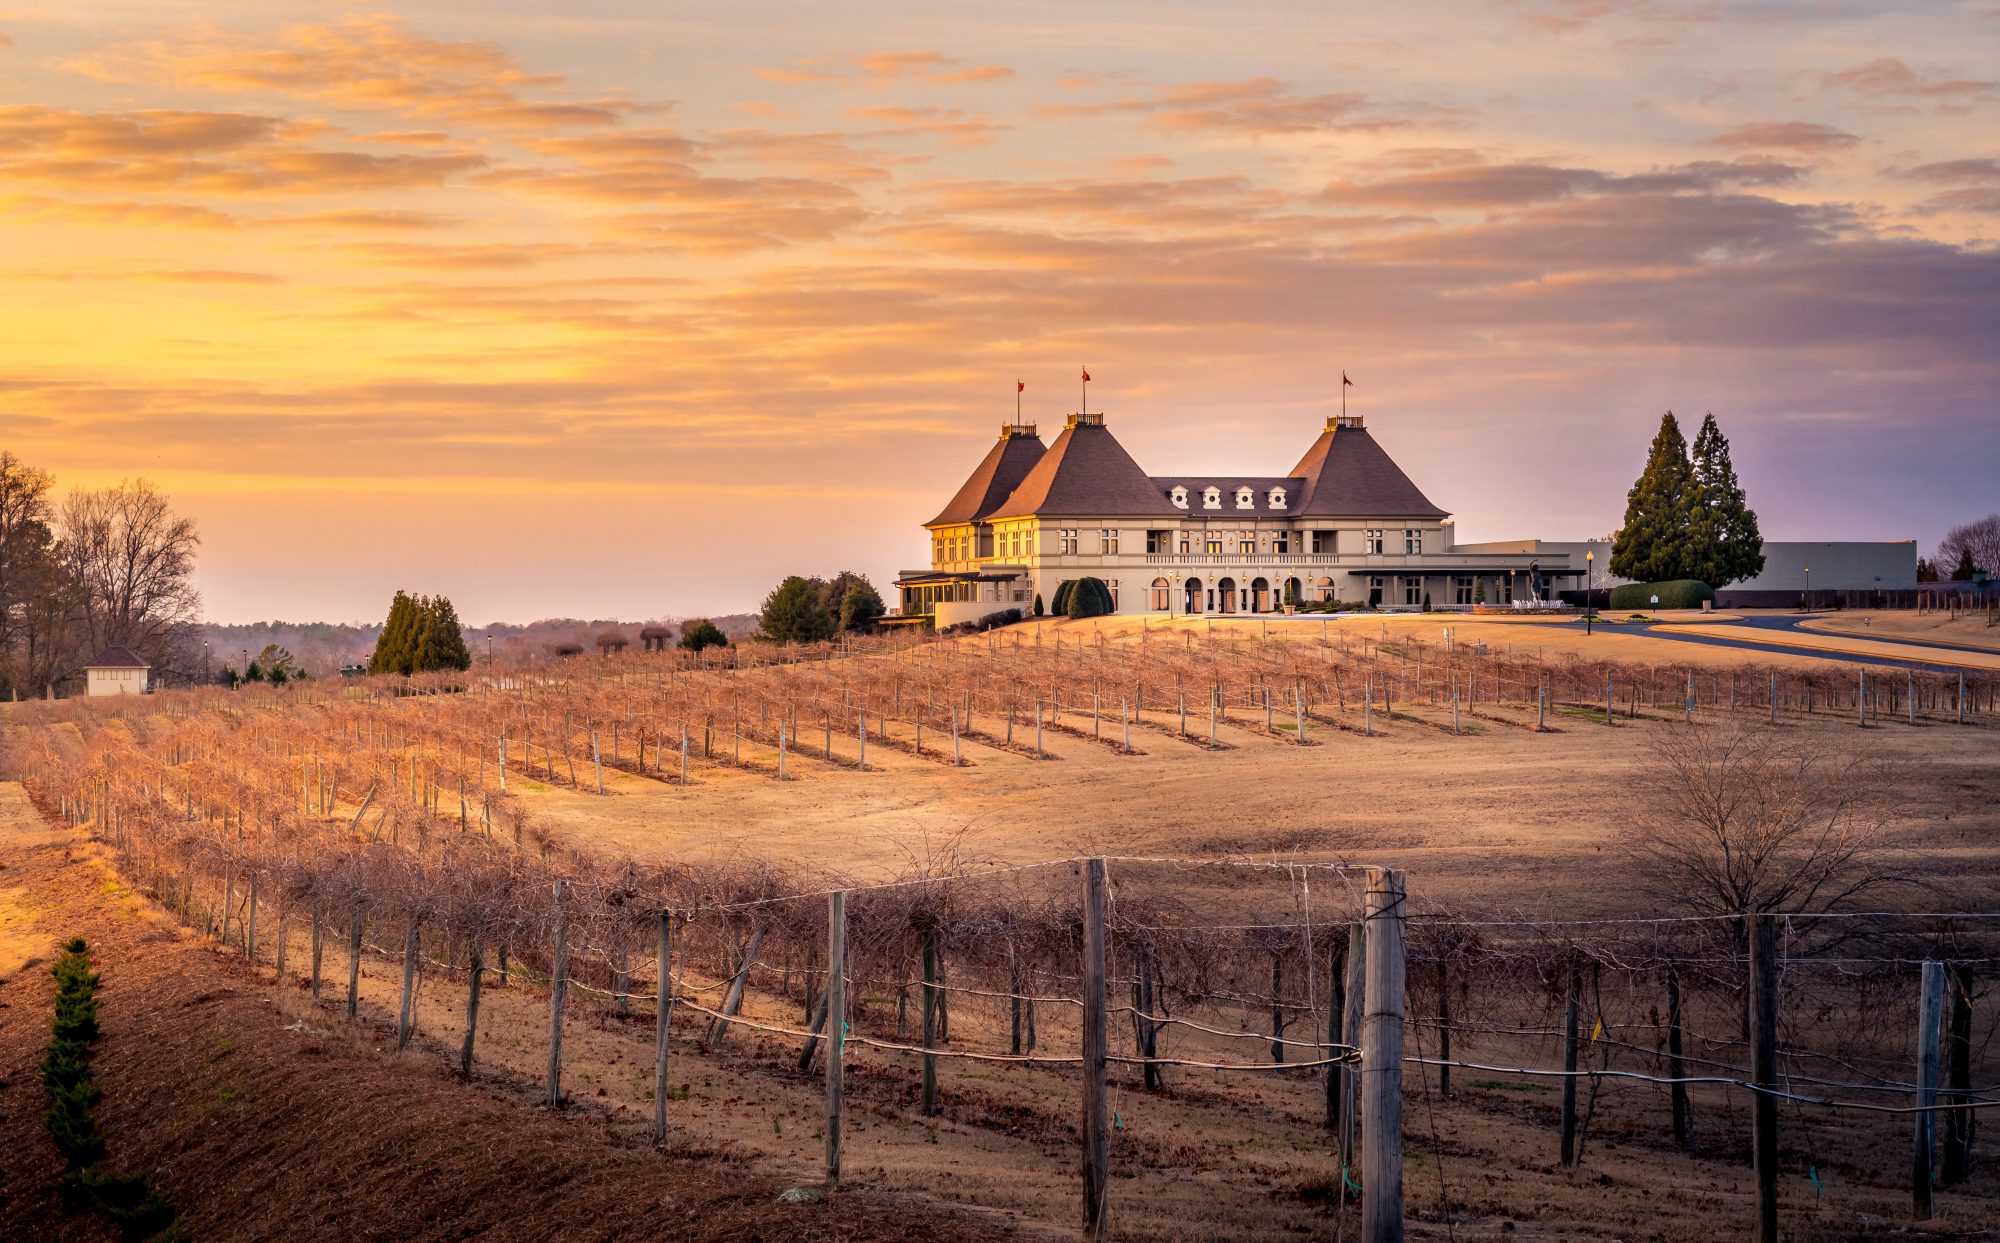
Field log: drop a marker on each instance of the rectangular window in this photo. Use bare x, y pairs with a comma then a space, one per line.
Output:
1158, 542
1068, 537
1187, 541
1215, 543
1461, 589
1113, 584
1374, 540
1107, 541
1413, 541
1323, 541
1281, 542
1246, 543
1028, 543
1413, 591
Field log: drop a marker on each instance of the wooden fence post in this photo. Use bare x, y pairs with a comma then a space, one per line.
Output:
663, 1014
1096, 1102
1146, 1029
1676, 1063
405, 1025
1930, 1006
1357, 1003
836, 1026
1958, 1079
1382, 1062
558, 990
1764, 1071
1570, 1006
930, 953
476, 966
354, 965
318, 945
1336, 1005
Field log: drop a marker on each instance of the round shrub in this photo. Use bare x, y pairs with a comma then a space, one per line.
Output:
1088, 597
1060, 605
1679, 593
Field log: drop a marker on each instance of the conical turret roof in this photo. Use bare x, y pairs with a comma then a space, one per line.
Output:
1003, 468
1085, 473
1348, 475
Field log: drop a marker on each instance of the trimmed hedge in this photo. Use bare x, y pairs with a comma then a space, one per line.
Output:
1679, 593
1059, 605
1088, 597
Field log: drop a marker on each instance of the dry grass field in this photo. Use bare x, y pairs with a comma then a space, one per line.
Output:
1508, 820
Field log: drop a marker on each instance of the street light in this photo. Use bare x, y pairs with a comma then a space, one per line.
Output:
1808, 600
1589, 587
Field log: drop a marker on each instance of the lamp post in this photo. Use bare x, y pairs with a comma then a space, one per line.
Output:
1807, 607
1173, 585
489, 647
1589, 587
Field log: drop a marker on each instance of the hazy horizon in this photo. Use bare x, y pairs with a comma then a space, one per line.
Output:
621, 313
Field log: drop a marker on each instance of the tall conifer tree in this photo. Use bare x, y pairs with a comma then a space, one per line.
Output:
1651, 546
392, 650
1725, 545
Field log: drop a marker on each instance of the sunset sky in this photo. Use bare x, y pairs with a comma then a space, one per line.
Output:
631, 308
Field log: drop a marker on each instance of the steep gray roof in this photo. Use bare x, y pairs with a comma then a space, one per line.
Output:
1003, 468
118, 656
1086, 473
1349, 476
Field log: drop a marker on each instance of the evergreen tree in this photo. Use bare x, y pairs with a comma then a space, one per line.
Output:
1651, 546
1965, 569
1038, 604
1060, 604
702, 633
1926, 572
861, 607
1724, 544
441, 639
795, 612
393, 650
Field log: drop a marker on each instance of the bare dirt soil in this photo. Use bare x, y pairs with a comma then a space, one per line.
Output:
264, 1118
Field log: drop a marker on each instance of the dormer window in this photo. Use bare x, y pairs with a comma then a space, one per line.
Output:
1211, 498
1277, 498
1245, 498
1179, 497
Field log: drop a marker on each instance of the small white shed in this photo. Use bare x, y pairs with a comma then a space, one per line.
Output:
118, 670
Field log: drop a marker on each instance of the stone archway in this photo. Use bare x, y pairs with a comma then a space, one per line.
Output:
1260, 595
1225, 590
1193, 596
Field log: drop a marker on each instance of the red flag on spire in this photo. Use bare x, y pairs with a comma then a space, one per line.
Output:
1086, 375
1345, 381
1020, 387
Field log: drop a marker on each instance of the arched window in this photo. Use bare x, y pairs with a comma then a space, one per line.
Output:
1211, 498
1245, 498
1161, 597
1179, 496
1326, 592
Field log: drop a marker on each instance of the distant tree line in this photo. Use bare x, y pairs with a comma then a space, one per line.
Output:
1686, 516
114, 565
1968, 549
813, 610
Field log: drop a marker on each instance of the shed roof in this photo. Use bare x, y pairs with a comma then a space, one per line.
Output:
118, 656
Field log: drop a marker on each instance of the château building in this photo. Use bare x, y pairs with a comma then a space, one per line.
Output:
1343, 524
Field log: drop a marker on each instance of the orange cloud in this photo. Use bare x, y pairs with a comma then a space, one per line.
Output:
1255, 106
1785, 135
202, 152
885, 66
1888, 78
364, 64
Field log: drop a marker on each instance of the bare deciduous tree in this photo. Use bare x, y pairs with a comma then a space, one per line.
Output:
1979, 538
1736, 819
131, 560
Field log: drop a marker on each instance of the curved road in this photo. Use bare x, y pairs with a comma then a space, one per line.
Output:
1666, 630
